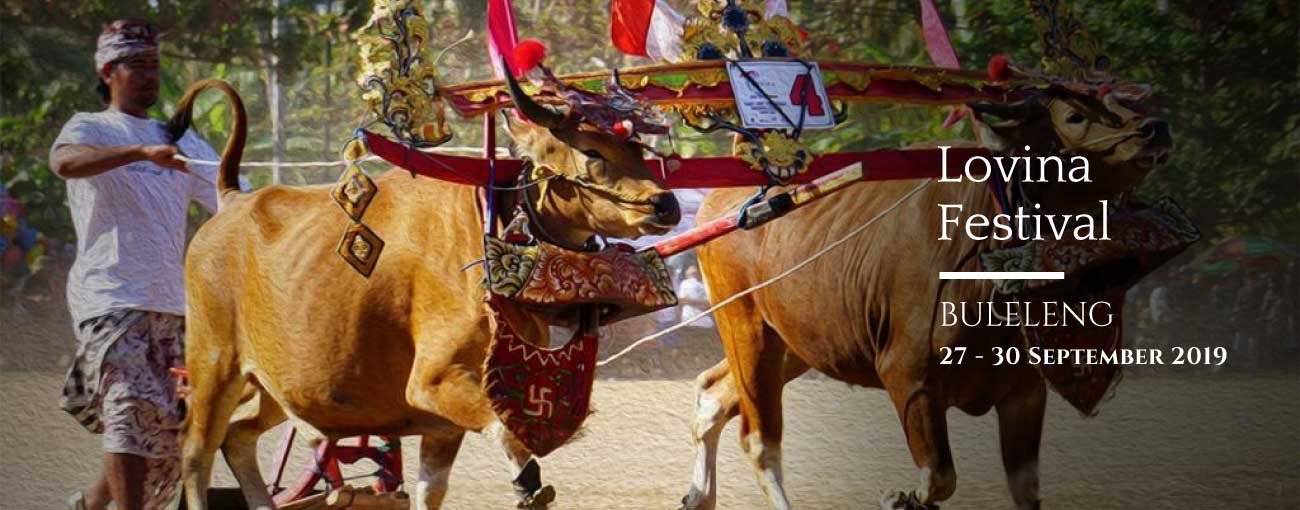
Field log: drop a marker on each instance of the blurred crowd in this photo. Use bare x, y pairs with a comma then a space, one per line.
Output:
33, 267
1250, 311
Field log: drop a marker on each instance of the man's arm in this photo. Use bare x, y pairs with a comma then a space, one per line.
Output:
78, 161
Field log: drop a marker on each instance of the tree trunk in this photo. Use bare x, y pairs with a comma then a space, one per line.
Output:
275, 104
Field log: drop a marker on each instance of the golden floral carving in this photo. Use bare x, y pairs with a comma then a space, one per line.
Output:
549, 275
779, 154
707, 77
400, 83
711, 33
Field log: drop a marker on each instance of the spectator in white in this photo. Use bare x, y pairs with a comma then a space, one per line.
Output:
694, 298
1158, 304
129, 197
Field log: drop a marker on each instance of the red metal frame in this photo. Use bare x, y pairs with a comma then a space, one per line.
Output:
329, 457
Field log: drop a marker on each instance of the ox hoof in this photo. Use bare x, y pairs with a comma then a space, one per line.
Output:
695, 501
904, 501
538, 500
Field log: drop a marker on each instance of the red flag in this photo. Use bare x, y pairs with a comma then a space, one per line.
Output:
501, 34
939, 46
937, 42
649, 28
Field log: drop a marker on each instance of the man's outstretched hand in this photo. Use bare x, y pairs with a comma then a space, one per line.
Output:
164, 156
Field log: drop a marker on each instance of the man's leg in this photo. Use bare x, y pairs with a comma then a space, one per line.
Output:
140, 416
126, 474
98, 497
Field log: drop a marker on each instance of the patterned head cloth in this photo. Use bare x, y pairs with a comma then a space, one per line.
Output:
125, 38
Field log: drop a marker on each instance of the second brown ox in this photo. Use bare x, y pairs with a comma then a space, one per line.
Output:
865, 313
279, 327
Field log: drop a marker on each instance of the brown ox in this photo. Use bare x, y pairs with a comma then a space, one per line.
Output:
865, 313
279, 327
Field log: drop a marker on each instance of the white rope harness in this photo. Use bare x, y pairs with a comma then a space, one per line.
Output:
293, 164
827, 249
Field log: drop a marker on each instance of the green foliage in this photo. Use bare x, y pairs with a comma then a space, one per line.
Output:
1225, 74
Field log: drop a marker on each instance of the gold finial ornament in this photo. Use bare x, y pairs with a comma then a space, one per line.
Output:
1068, 50
400, 83
720, 26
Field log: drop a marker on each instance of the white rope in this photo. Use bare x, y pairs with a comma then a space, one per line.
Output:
283, 164
292, 164
827, 249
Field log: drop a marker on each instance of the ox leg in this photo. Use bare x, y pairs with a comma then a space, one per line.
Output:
526, 473
1020, 431
926, 429
757, 368
437, 452
716, 403
214, 396
257, 413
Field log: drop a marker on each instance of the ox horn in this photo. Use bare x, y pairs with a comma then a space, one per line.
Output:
530, 109
1018, 110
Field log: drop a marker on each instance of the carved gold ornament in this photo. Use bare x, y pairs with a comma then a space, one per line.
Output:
780, 155
360, 246
354, 192
399, 81
712, 33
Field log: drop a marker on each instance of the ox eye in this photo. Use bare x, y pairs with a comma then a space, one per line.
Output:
591, 153
1075, 118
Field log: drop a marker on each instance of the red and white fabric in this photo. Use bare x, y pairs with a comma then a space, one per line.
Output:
649, 28
501, 37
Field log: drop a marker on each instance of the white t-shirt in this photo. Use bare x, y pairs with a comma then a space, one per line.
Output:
688, 292
130, 221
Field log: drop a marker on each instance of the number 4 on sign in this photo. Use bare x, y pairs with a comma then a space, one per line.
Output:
815, 102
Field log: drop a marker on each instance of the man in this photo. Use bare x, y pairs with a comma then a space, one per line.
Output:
129, 197
694, 298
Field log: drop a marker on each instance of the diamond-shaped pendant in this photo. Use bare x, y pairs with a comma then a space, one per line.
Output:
360, 247
354, 192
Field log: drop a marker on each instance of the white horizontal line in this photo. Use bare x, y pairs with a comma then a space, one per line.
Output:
1001, 275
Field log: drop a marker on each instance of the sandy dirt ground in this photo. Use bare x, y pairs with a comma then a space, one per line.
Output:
1166, 441
1182, 442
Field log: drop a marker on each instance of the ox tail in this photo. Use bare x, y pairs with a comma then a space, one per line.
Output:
228, 171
